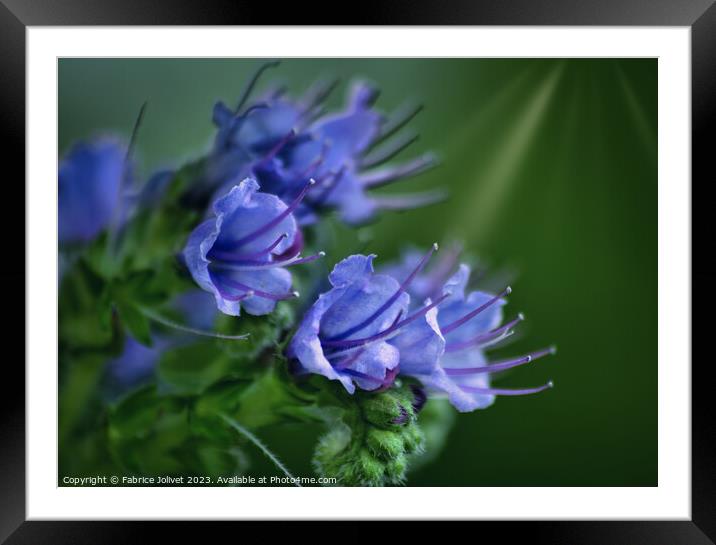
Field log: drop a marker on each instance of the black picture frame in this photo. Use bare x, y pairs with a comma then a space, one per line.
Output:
15, 15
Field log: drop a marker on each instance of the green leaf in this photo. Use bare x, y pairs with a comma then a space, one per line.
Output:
262, 401
161, 231
146, 430
223, 397
190, 369
84, 309
203, 457
136, 323
79, 378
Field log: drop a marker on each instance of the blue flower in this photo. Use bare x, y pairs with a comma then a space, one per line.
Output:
89, 185
282, 143
136, 364
446, 349
239, 255
247, 137
344, 335
334, 150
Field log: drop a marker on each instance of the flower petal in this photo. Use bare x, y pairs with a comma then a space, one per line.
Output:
243, 210
372, 365
421, 345
305, 346
200, 242
352, 269
359, 304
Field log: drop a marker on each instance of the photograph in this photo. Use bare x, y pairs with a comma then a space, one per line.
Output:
357, 272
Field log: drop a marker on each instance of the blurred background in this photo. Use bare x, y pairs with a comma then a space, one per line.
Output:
551, 165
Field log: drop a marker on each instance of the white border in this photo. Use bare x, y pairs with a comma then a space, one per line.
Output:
671, 499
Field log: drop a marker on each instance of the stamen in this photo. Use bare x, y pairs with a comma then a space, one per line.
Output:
311, 168
507, 391
358, 374
385, 306
307, 117
328, 187
118, 211
354, 353
483, 338
236, 298
230, 256
240, 120
319, 94
253, 81
388, 152
325, 177
411, 168
401, 118
133, 137
470, 315
278, 219
253, 108
386, 333
443, 268
248, 289
410, 201
497, 366
278, 147
397, 318
346, 362
261, 265
278, 92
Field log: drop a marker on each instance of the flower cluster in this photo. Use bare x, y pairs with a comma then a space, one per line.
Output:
365, 332
233, 224
284, 143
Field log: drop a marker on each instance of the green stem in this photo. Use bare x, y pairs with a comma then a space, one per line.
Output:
186, 329
263, 448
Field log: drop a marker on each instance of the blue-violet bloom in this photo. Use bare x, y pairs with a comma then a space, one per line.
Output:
344, 335
282, 143
446, 350
335, 150
89, 185
240, 254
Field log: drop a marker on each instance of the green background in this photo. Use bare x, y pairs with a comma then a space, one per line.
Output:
552, 169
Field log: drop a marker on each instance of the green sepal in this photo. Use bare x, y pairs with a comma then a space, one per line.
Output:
436, 420
370, 443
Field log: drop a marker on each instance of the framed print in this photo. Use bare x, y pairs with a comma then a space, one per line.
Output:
438, 269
